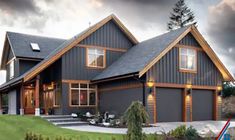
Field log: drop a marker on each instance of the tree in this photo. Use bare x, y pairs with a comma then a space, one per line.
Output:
181, 16
135, 116
228, 89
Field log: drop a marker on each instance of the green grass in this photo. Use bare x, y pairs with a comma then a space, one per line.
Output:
15, 127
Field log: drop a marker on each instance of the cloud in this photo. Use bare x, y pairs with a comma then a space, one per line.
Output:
221, 29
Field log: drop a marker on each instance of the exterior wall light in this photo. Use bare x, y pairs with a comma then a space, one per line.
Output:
189, 89
219, 89
150, 85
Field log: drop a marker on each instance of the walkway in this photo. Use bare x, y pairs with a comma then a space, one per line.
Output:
202, 127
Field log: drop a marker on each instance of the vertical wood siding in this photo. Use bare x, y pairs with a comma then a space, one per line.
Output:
74, 61
109, 35
166, 70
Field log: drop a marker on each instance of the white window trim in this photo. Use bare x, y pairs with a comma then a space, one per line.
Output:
195, 59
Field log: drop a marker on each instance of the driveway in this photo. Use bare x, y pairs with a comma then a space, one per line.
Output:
201, 126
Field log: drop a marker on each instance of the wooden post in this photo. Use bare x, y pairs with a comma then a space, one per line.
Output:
37, 109
215, 106
0, 104
22, 100
184, 106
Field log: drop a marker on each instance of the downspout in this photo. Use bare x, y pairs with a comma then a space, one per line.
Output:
143, 89
143, 94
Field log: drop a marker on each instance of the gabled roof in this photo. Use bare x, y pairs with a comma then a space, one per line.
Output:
20, 44
140, 58
67, 45
141, 54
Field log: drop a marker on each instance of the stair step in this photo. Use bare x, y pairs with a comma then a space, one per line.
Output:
63, 120
75, 123
56, 116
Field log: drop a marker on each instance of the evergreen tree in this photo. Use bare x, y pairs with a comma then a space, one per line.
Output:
181, 16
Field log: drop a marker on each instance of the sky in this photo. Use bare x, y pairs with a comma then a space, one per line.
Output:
144, 18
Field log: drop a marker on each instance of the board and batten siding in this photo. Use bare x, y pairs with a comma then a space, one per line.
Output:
108, 36
166, 70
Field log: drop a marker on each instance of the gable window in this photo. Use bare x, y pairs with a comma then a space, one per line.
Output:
188, 59
82, 94
95, 58
11, 69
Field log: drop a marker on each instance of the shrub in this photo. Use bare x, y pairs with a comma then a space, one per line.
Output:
135, 116
191, 133
179, 132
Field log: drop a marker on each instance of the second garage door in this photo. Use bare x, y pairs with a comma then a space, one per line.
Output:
169, 104
202, 105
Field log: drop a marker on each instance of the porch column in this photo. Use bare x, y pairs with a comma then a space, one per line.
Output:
0, 104
22, 100
37, 109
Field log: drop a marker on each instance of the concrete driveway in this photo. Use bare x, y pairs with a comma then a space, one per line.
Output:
201, 126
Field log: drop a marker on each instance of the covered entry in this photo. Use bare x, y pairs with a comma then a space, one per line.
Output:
202, 105
169, 104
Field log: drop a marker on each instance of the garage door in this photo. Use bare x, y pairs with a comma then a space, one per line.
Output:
202, 105
169, 104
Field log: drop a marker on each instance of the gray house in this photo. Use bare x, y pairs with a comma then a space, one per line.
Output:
177, 76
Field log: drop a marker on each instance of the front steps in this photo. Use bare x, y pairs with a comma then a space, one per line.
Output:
64, 120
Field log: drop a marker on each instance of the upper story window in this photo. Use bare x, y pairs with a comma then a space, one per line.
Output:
188, 59
96, 58
82, 94
11, 69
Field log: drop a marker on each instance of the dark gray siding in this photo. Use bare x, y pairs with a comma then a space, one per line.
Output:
117, 95
74, 64
25, 65
52, 73
189, 40
169, 104
66, 109
117, 101
166, 70
74, 61
202, 105
109, 35
10, 55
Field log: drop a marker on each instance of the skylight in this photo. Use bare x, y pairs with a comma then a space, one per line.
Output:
35, 46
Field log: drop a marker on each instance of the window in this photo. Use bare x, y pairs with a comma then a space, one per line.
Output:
11, 69
95, 58
82, 94
35, 47
57, 95
187, 59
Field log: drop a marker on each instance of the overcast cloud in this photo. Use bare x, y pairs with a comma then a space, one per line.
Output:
144, 18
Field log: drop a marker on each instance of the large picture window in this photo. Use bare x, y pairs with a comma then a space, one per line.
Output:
95, 58
188, 59
82, 94
11, 69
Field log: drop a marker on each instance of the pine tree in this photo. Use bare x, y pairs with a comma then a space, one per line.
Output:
181, 16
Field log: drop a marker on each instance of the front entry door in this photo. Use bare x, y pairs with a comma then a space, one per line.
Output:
48, 100
29, 102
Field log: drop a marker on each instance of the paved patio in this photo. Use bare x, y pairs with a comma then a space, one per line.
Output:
202, 127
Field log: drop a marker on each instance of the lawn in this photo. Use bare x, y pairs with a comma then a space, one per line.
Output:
15, 127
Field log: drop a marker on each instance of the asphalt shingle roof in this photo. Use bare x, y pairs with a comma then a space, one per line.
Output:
20, 44
136, 58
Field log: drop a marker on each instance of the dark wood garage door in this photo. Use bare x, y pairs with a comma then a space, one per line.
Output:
169, 104
202, 105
